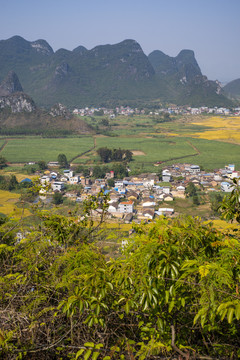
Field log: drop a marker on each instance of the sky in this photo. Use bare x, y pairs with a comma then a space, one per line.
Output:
210, 28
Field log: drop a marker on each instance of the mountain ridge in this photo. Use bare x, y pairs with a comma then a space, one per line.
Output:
106, 74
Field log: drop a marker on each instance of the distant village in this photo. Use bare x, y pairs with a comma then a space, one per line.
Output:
138, 197
177, 110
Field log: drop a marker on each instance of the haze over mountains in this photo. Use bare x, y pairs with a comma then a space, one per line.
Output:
105, 75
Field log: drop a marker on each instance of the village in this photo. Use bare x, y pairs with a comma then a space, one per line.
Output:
172, 110
138, 197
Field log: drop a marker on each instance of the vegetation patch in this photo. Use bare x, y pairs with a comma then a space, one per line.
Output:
37, 148
8, 205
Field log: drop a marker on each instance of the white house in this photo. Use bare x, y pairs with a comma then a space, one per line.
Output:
166, 189
194, 169
166, 175
58, 186
148, 182
126, 207
68, 173
113, 207
148, 204
165, 211
226, 186
44, 179
149, 213
73, 180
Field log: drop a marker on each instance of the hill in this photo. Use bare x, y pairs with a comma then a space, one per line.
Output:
19, 113
184, 82
232, 89
106, 74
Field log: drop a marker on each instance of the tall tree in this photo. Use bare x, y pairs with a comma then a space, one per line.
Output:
62, 160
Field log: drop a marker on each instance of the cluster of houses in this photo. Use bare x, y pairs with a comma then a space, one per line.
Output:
121, 110
140, 197
178, 110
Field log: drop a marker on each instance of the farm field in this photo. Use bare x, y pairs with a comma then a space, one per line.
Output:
8, 205
214, 154
36, 148
2, 142
192, 139
221, 128
209, 154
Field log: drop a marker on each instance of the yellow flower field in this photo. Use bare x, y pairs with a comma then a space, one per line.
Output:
8, 205
225, 129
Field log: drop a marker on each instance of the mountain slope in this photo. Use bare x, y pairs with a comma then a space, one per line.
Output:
185, 82
232, 89
106, 74
20, 115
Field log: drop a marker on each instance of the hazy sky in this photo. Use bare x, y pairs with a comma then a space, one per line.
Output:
209, 27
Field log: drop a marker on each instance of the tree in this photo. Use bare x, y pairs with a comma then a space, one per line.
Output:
62, 160
166, 117
230, 207
13, 183
111, 182
191, 189
98, 172
3, 162
195, 199
105, 122
105, 154
173, 293
42, 165
57, 198
120, 170
117, 154
215, 200
128, 155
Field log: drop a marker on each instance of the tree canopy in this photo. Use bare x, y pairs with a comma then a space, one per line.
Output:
62, 160
108, 155
172, 291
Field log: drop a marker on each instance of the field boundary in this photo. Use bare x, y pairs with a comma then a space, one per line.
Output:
4, 144
85, 152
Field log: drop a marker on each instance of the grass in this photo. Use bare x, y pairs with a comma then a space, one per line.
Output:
191, 139
37, 148
215, 154
8, 206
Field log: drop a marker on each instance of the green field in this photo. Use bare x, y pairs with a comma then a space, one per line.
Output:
170, 150
150, 140
2, 141
37, 148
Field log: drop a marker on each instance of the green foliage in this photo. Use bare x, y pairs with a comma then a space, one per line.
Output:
216, 200
105, 154
3, 162
108, 155
111, 182
99, 172
195, 199
173, 291
62, 160
57, 198
42, 165
8, 182
230, 207
191, 189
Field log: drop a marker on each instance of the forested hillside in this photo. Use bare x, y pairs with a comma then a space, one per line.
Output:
107, 75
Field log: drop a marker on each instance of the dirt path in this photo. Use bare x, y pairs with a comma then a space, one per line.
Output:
185, 156
194, 147
4, 144
85, 152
